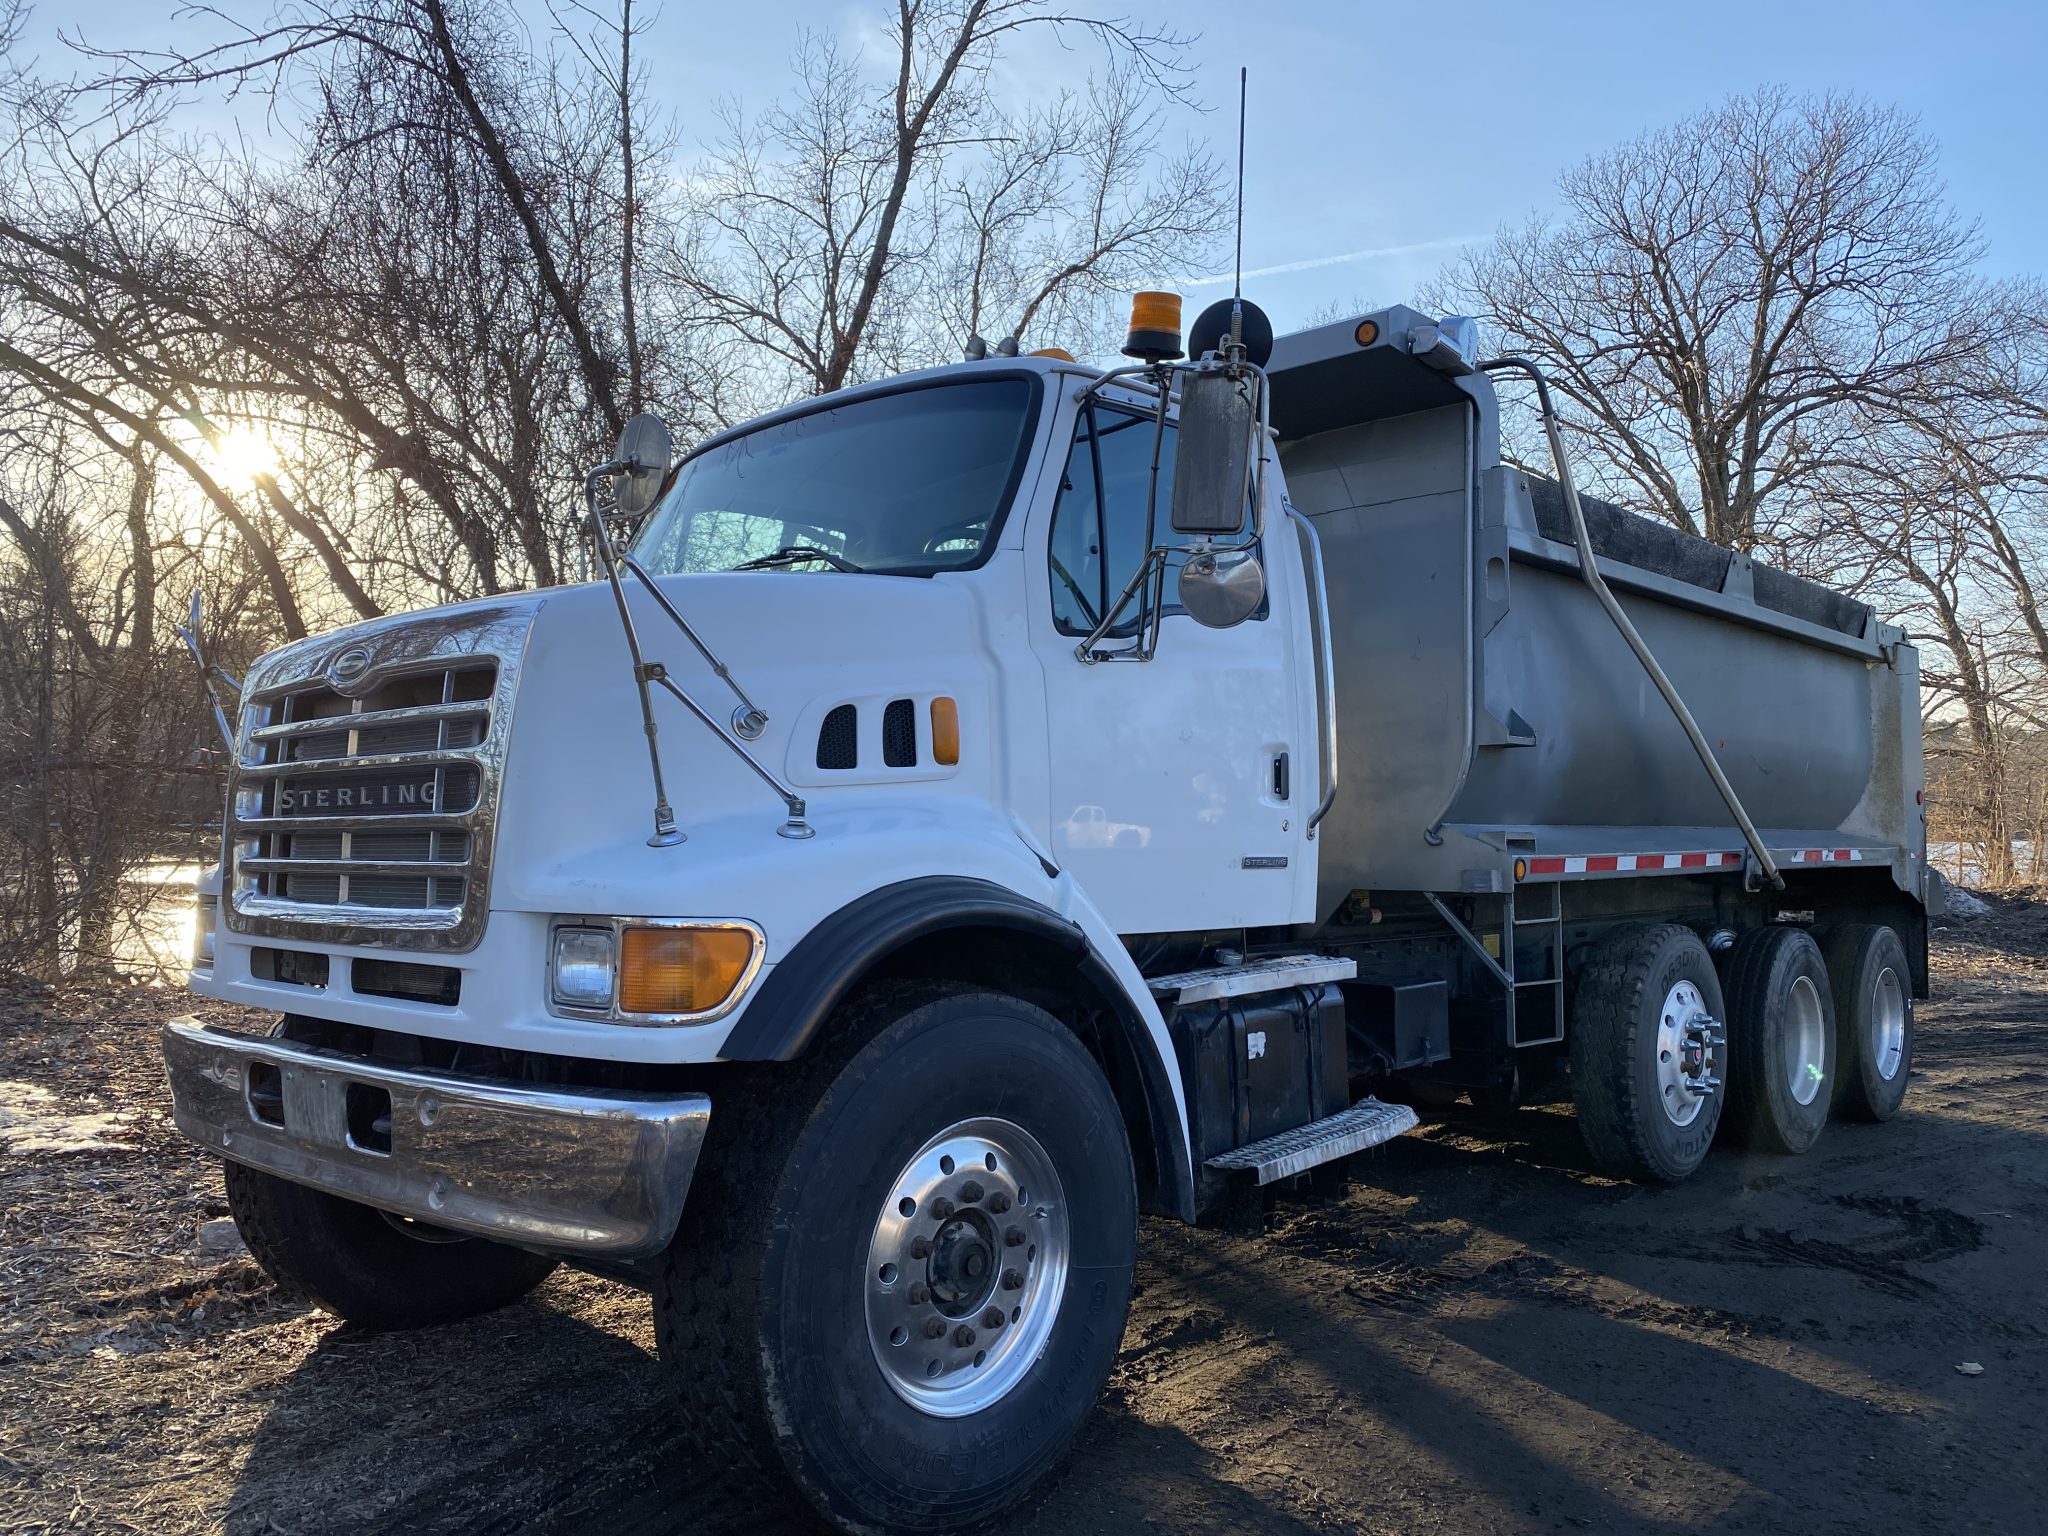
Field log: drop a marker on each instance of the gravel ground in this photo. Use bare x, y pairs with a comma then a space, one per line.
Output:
1479, 1334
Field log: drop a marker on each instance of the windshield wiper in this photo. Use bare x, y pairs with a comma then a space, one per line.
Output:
799, 554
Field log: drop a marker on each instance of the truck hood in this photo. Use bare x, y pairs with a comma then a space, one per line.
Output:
579, 799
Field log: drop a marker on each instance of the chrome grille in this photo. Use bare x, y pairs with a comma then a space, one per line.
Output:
362, 811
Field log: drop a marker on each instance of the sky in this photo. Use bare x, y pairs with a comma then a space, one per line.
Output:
1383, 136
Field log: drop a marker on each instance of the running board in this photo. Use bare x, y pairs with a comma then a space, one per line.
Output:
1276, 974
1365, 1124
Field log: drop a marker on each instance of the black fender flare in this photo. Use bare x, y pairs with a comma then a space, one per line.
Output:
824, 967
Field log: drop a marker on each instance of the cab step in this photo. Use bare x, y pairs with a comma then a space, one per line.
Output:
1274, 973
1365, 1124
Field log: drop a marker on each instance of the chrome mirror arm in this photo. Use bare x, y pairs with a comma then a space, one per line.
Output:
749, 720
208, 672
666, 832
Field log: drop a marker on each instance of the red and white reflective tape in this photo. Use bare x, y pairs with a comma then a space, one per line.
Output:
1630, 863
1827, 856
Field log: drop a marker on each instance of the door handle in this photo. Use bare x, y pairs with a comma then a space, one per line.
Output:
1279, 775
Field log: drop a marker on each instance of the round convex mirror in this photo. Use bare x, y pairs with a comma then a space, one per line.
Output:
644, 444
1222, 588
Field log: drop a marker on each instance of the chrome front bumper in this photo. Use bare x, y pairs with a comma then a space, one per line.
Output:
572, 1170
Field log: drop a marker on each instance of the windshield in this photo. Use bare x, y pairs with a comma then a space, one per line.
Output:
909, 483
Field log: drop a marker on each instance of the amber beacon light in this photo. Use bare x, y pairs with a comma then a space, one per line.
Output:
682, 970
1155, 327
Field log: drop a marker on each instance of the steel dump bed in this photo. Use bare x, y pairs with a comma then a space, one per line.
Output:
1489, 711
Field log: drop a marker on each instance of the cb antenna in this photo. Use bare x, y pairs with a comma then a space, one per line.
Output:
1237, 259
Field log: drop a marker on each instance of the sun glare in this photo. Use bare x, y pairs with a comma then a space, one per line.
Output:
244, 453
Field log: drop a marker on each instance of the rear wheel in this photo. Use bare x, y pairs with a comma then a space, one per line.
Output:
1647, 1050
368, 1267
1781, 1025
1873, 997
905, 1264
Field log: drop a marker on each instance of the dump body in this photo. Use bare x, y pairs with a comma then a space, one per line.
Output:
1488, 710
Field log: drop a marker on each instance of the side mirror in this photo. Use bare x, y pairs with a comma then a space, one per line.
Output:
1212, 465
1221, 588
645, 450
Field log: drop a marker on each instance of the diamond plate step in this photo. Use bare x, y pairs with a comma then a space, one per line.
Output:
1271, 975
1365, 1124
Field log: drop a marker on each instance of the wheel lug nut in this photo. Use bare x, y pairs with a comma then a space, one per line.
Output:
1012, 1280
918, 1295
992, 1318
1014, 1238
940, 1208
935, 1329
963, 1336
921, 1249
999, 1202
970, 1191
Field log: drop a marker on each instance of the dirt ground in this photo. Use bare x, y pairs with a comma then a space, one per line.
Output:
1480, 1335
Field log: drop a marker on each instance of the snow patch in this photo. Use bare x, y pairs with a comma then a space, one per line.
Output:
32, 1121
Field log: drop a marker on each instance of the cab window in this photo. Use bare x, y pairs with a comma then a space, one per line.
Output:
1098, 523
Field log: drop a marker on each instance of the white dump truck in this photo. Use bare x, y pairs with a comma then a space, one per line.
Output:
978, 807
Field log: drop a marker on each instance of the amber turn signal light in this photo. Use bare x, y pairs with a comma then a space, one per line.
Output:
945, 731
682, 970
1368, 332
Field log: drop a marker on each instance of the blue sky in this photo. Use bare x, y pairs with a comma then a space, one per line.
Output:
1382, 135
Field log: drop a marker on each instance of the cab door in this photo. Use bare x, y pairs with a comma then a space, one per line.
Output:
1180, 786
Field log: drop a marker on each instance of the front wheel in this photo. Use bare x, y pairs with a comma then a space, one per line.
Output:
368, 1267
906, 1261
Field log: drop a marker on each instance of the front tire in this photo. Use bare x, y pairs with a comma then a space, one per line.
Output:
1647, 1051
1873, 1019
829, 1310
1781, 1026
374, 1270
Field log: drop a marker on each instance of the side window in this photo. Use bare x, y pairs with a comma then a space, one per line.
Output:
1098, 524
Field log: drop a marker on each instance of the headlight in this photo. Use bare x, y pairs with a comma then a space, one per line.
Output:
203, 915
583, 965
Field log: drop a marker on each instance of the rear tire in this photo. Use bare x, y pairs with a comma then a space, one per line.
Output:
1781, 1033
1873, 994
828, 1311
1645, 1039
368, 1268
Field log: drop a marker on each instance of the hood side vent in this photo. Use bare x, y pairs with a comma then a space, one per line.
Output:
899, 734
839, 739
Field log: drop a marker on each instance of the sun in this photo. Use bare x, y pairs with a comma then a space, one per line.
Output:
244, 453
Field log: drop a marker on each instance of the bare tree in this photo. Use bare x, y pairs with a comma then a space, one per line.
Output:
1725, 302
827, 226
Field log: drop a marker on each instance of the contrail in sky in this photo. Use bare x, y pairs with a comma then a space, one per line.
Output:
1326, 261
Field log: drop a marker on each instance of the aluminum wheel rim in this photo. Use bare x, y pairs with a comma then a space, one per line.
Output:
1805, 1041
1887, 1025
1688, 1063
967, 1267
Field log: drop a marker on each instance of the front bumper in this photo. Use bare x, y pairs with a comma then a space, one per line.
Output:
571, 1170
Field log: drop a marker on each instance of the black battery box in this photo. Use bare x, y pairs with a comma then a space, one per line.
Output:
1253, 1067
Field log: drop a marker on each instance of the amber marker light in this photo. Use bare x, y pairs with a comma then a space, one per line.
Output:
1521, 869
1368, 332
945, 731
682, 970
1059, 352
